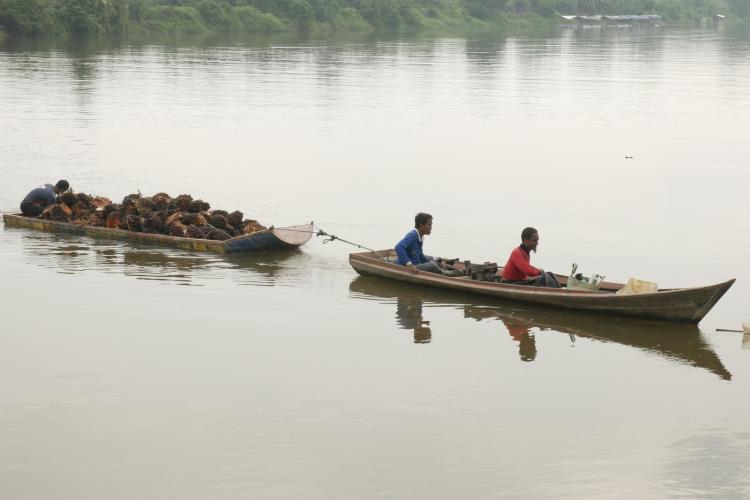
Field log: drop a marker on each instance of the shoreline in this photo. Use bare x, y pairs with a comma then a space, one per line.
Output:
150, 20
211, 39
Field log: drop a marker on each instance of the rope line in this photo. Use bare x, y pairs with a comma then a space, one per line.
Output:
327, 238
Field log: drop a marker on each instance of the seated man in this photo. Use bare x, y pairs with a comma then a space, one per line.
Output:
409, 249
519, 271
38, 199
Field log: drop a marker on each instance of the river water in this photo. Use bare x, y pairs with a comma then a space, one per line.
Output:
138, 372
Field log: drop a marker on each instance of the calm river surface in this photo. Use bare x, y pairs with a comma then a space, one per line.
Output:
138, 372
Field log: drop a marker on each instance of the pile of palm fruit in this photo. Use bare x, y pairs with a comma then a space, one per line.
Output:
158, 214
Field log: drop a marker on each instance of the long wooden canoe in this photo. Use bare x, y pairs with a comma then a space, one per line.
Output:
684, 344
680, 305
273, 238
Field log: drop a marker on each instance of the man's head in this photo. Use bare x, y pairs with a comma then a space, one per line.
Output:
423, 223
61, 186
530, 238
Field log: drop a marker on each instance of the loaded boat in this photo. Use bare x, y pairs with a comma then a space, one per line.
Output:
679, 305
272, 238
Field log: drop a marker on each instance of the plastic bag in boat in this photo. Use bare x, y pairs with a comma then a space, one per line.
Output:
638, 287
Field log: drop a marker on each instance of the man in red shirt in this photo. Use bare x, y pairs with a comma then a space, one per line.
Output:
519, 271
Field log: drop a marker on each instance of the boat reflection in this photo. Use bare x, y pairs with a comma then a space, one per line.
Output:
682, 343
75, 254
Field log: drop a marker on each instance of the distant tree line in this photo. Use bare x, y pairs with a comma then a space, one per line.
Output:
82, 18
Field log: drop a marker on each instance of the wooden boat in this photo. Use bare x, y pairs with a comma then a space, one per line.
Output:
684, 344
273, 238
681, 305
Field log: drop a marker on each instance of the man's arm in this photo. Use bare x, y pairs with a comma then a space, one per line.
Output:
421, 256
402, 247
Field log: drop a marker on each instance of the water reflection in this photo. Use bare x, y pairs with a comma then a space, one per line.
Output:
521, 332
70, 254
684, 344
409, 317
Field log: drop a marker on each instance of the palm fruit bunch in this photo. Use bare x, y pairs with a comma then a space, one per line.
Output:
144, 205
196, 232
133, 223
194, 219
130, 204
58, 212
218, 220
177, 229
181, 216
81, 211
161, 201
67, 198
235, 219
113, 220
108, 209
197, 206
250, 226
214, 233
183, 202
94, 219
172, 218
84, 198
154, 223
99, 201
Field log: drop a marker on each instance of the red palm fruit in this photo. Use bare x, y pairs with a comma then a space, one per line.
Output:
113, 220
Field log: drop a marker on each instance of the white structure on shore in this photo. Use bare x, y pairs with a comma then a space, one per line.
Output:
623, 21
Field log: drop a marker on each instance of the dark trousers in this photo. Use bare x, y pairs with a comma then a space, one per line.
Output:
31, 209
430, 267
545, 279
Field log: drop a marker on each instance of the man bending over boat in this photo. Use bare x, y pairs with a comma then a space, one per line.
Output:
38, 199
519, 271
409, 249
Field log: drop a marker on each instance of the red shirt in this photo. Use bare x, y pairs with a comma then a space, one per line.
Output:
518, 267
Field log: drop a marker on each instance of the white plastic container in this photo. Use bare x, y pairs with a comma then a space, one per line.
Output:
591, 284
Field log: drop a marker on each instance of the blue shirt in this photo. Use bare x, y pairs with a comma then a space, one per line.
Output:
44, 195
409, 249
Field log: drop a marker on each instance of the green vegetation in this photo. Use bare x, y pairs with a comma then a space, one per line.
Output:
87, 18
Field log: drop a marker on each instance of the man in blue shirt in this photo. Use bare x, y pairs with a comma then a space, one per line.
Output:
38, 199
409, 249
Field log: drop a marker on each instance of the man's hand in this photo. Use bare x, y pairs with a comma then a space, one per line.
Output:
412, 268
541, 271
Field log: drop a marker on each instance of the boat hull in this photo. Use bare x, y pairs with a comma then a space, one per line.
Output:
268, 239
687, 305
